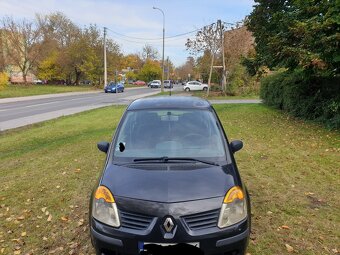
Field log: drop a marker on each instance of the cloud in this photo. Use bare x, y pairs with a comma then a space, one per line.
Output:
137, 18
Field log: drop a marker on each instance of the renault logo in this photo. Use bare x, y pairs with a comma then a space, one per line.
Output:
168, 224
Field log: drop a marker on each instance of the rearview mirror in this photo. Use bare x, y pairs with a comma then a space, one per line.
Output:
103, 146
236, 145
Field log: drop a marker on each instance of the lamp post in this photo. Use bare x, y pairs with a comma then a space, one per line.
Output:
162, 85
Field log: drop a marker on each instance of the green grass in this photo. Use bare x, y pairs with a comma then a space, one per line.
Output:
213, 95
291, 169
203, 94
31, 90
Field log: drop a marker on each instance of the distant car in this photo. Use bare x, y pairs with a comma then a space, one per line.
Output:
114, 88
38, 81
86, 82
168, 84
139, 83
195, 85
161, 187
155, 84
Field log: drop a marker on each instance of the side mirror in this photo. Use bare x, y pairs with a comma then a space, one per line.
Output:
103, 146
236, 146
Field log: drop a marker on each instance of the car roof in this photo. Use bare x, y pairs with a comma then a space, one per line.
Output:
176, 102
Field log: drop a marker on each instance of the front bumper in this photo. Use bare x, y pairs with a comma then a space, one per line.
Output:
232, 240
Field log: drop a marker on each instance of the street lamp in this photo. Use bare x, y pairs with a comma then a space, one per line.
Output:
162, 85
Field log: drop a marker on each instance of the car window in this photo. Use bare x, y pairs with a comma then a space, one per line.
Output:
171, 133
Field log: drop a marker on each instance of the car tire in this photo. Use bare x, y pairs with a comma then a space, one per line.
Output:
187, 89
205, 89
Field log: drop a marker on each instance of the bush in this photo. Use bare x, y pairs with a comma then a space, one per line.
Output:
313, 97
3, 80
241, 83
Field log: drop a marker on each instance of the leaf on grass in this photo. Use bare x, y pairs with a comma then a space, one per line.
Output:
21, 217
80, 222
64, 218
285, 227
2, 250
289, 248
77, 170
45, 238
49, 218
23, 234
43, 209
17, 252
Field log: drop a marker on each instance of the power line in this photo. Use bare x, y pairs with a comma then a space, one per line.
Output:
155, 39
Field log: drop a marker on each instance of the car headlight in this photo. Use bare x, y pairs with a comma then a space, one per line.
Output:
104, 208
234, 208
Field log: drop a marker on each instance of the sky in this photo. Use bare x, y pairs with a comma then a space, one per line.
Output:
137, 18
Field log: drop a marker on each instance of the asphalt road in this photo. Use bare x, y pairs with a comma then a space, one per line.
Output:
24, 111
18, 112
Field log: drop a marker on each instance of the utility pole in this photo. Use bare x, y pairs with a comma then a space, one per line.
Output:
105, 69
168, 64
224, 78
162, 84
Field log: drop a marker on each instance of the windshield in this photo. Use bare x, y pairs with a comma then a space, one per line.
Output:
169, 133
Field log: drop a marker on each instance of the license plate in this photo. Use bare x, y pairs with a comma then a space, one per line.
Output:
142, 244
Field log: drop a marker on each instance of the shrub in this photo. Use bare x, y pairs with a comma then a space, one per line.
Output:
314, 97
241, 83
3, 80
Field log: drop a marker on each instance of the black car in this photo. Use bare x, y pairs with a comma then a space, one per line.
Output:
170, 184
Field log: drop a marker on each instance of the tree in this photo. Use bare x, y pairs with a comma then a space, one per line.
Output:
207, 39
23, 44
187, 69
149, 52
297, 33
151, 70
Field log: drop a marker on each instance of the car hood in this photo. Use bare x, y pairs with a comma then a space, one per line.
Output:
168, 186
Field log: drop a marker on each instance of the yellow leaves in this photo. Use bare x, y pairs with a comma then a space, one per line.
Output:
23, 234
289, 248
77, 170
21, 217
57, 250
2, 251
80, 222
49, 218
64, 218
17, 252
3, 80
43, 209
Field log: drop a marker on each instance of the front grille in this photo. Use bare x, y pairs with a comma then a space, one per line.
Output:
202, 220
135, 221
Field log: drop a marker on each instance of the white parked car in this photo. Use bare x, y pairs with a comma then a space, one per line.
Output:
155, 84
195, 85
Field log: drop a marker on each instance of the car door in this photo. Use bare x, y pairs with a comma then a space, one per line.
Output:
191, 85
199, 85
196, 85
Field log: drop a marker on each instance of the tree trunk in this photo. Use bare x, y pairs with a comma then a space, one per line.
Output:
78, 73
210, 73
24, 76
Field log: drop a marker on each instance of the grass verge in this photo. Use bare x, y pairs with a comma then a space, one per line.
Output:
291, 169
217, 95
31, 90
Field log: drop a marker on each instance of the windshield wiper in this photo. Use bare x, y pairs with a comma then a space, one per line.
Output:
166, 159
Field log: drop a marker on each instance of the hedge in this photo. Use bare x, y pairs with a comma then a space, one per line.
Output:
304, 95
